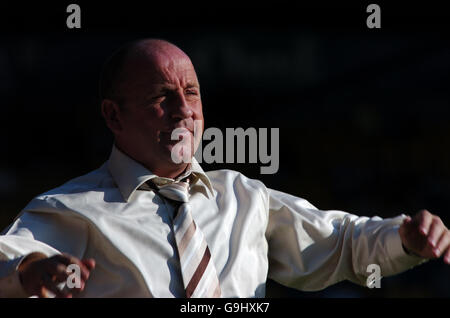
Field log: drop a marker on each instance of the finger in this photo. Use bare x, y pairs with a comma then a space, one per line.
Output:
69, 259
89, 263
58, 272
444, 243
42, 292
447, 256
51, 286
435, 232
424, 219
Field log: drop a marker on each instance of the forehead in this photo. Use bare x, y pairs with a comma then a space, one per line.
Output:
157, 67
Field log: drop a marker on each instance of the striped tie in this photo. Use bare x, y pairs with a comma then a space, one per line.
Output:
199, 274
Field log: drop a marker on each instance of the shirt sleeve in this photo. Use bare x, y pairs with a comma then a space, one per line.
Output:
310, 249
49, 234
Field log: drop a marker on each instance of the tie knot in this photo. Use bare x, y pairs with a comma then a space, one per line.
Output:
177, 191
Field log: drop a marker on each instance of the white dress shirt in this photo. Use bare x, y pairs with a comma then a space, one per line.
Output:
253, 232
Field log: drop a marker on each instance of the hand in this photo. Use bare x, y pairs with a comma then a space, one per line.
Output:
426, 236
40, 274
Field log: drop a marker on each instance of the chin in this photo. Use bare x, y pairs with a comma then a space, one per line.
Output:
178, 154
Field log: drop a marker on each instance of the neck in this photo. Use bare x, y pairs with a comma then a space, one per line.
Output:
169, 172
161, 169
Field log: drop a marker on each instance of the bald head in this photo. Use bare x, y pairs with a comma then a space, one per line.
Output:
123, 69
149, 89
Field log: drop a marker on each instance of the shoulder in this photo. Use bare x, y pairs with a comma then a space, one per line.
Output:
74, 191
231, 180
96, 179
234, 179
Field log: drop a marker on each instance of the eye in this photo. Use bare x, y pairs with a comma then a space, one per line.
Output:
192, 92
158, 98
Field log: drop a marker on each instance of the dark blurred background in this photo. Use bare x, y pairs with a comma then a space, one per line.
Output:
363, 113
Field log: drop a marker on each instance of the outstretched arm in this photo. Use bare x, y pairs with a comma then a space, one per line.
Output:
30, 255
311, 249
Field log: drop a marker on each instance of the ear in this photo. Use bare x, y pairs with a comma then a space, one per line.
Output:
111, 112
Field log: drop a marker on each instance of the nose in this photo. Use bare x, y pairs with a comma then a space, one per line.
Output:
180, 109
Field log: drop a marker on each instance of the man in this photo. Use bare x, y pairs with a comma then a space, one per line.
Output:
146, 225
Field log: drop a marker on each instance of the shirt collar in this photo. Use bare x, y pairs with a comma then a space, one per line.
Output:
130, 174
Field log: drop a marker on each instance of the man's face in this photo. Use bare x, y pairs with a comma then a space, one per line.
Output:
161, 94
